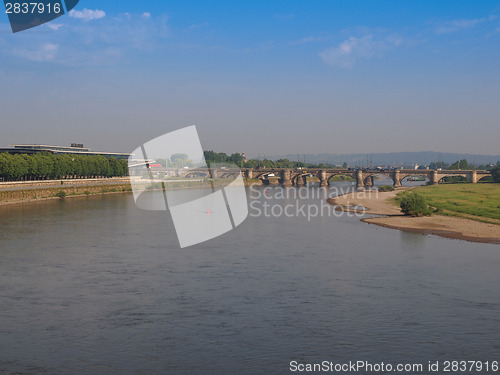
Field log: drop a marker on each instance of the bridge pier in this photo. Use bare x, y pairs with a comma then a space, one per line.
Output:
472, 176
323, 181
249, 173
434, 178
285, 178
369, 181
396, 177
359, 179
301, 180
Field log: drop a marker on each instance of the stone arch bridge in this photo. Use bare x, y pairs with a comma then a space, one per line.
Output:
298, 177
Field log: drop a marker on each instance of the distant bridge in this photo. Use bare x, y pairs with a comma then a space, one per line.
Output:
298, 177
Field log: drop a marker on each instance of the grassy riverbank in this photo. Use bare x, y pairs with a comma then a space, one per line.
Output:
473, 201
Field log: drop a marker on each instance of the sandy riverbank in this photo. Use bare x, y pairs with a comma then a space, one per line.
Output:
444, 226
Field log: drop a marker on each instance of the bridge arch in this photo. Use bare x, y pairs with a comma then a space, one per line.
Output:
489, 177
424, 174
464, 175
296, 176
229, 174
368, 179
260, 175
330, 176
197, 174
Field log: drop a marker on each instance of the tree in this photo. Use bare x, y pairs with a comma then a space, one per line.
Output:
460, 164
414, 204
495, 172
6, 166
181, 160
236, 159
268, 163
123, 171
214, 157
435, 165
284, 163
46, 165
252, 163
21, 167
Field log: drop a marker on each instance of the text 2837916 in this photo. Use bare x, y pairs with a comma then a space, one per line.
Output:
33, 8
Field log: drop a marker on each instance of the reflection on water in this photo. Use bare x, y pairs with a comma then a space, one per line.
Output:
412, 239
96, 286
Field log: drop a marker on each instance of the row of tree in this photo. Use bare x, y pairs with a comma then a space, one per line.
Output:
43, 166
461, 164
221, 157
239, 160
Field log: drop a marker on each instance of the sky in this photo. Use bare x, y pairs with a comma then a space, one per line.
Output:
260, 77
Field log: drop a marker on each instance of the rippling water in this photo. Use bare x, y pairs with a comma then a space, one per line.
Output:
97, 286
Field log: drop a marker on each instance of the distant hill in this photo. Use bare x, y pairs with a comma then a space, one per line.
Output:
392, 158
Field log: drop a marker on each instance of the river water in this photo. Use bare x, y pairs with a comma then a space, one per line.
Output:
97, 286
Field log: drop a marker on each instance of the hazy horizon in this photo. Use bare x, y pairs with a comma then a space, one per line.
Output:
258, 77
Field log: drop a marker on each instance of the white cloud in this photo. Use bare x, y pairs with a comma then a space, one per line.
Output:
54, 26
45, 52
146, 15
87, 14
349, 51
462, 24
80, 43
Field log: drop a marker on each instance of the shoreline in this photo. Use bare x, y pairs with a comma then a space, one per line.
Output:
21, 192
48, 199
389, 216
37, 191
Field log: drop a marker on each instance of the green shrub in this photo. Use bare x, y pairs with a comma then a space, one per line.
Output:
414, 204
61, 194
385, 188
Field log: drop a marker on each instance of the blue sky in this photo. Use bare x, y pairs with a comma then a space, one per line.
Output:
268, 77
